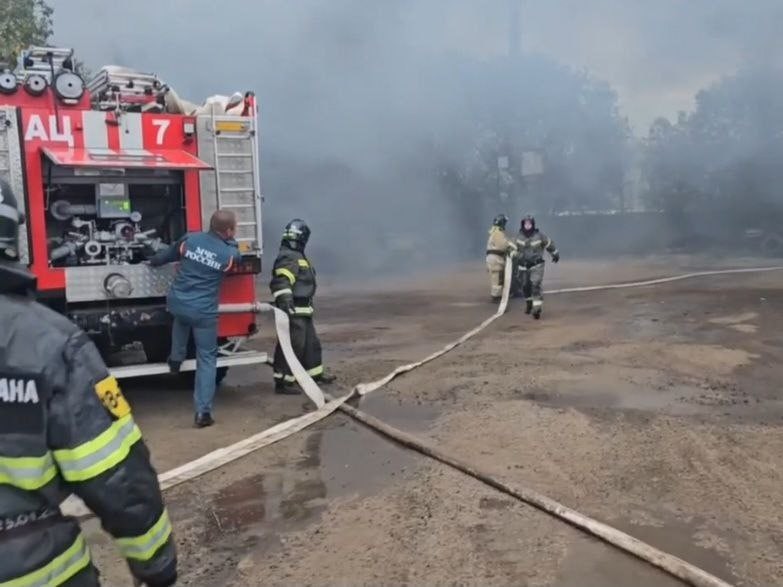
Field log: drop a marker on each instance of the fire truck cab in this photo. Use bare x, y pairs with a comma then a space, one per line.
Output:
111, 172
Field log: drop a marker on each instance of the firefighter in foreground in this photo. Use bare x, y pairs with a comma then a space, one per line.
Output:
293, 287
499, 246
529, 270
204, 258
65, 427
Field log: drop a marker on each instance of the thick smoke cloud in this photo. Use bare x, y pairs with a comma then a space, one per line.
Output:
377, 114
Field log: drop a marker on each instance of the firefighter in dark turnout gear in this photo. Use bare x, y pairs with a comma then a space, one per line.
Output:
531, 244
65, 428
293, 287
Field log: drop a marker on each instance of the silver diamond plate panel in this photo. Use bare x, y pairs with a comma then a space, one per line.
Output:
85, 284
11, 168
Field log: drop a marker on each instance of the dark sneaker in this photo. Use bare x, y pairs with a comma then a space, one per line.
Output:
283, 388
174, 366
528, 306
204, 420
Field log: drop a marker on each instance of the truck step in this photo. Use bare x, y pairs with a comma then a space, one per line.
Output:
241, 358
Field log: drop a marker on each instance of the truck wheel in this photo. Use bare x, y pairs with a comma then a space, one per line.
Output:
772, 245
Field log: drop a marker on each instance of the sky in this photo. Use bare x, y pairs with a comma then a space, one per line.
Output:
656, 54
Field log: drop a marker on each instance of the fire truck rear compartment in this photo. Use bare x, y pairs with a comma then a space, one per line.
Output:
101, 227
111, 218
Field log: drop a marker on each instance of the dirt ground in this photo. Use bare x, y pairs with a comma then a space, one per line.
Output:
657, 410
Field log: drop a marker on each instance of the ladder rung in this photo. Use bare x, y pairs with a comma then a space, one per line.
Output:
235, 190
246, 224
234, 172
238, 206
248, 239
242, 155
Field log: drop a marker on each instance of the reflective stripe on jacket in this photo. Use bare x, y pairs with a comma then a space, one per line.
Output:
65, 427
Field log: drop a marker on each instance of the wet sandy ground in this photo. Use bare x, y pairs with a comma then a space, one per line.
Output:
656, 410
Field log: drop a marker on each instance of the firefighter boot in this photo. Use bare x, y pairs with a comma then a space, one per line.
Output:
283, 388
326, 378
537, 313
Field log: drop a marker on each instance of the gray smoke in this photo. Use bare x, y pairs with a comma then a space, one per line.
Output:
383, 122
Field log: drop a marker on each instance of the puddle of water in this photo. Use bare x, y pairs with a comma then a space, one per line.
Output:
411, 417
674, 400
340, 458
591, 563
236, 507
682, 539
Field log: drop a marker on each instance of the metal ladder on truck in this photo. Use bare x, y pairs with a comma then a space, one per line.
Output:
237, 181
11, 167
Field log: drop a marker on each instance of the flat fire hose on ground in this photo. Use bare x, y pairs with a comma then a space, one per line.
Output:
669, 563
223, 456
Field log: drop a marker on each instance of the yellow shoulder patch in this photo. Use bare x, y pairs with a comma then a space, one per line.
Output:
111, 397
304, 263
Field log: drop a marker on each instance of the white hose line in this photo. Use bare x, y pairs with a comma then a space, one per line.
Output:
283, 329
222, 456
365, 388
73, 506
663, 280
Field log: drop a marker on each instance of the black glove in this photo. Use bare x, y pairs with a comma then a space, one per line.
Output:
555, 257
286, 304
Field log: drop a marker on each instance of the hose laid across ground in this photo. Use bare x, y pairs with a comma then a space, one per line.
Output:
669, 563
228, 454
365, 388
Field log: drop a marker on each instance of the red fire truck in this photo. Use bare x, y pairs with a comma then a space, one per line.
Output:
112, 171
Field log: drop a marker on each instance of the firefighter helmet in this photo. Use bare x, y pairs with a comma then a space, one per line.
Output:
528, 225
297, 233
10, 219
500, 220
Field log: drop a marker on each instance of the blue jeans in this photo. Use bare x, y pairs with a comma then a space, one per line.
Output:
205, 336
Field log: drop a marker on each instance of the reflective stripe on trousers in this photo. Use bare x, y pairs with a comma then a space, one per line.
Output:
144, 547
314, 372
58, 571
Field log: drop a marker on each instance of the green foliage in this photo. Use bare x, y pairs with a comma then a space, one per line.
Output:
726, 153
23, 23
533, 104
